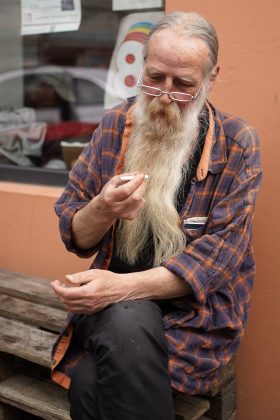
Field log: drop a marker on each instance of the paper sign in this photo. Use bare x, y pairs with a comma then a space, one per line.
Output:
44, 16
135, 4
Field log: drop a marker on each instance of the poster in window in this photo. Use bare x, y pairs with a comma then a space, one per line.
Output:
127, 57
136, 4
44, 16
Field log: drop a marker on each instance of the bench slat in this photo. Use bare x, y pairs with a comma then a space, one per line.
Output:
25, 341
190, 408
32, 313
226, 376
29, 288
7, 412
44, 398
39, 397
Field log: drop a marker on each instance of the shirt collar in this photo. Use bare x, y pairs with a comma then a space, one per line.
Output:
213, 157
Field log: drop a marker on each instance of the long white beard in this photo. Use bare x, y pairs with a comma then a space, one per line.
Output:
161, 146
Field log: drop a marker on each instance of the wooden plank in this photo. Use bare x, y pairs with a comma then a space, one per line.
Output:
190, 408
25, 341
6, 366
29, 288
9, 413
227, 375
224, 404
232, 416
37, 396
32, 313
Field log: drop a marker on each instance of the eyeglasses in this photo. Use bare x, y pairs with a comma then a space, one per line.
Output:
175, 96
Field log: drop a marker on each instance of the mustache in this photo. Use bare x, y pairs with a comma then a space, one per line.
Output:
168, 112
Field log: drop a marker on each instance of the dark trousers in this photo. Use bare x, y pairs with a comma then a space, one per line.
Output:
125, 376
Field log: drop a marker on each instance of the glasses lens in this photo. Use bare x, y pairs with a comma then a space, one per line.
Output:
149, 90
179, 96
176, 96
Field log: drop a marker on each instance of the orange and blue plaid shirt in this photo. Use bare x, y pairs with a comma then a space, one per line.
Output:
205, 331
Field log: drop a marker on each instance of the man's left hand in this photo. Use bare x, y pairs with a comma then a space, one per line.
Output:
91, 291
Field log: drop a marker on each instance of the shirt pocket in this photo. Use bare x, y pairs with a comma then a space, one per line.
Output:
194, 227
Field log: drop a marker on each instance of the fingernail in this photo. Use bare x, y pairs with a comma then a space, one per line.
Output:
70, 277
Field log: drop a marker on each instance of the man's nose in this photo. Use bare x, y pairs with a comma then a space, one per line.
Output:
165, 99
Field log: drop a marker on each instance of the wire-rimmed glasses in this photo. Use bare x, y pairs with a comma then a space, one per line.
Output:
175, 96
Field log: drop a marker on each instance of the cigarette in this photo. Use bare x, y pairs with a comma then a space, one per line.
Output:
130, 177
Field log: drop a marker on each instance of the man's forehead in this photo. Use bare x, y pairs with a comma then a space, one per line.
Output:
173, 38
179, 50
173, 42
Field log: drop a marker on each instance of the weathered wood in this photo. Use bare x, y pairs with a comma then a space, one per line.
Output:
25, 341
224, 405
32, 313
233, 416
2, 412
226, 376
6, 366
28, 288
39, 397
189, 408
9, 413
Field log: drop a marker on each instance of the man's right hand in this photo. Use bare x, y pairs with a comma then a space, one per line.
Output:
118, 199
121, 199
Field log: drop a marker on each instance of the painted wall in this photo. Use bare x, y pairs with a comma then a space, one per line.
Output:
249, 86
30, 241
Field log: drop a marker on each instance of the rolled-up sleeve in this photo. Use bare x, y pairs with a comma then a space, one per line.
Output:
84, 183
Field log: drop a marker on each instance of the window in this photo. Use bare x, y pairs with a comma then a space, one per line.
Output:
55, 86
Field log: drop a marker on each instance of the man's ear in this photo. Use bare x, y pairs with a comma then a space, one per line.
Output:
213, 76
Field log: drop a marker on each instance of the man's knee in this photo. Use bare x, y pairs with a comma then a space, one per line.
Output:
126, 319
131, 327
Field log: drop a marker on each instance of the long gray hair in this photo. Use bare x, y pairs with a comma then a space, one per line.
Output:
189, 25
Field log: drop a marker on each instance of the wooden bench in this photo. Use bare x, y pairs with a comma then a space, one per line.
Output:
30, 319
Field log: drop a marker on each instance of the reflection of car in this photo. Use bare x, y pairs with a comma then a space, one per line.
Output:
70, 100
60, 93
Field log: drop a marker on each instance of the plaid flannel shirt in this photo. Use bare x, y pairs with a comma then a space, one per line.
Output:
217, 263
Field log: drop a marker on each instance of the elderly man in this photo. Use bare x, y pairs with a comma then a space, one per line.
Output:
164, 305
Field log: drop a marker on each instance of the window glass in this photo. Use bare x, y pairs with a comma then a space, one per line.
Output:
55, 86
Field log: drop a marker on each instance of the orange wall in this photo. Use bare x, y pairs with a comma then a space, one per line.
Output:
249, 86
30, 241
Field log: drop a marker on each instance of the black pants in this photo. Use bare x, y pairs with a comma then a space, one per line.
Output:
125, 376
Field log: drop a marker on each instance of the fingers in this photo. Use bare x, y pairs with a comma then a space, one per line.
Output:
123, 189
122, 179
76, 299
67, 293
104, 289
81, 277
70, 297
134, 203
133, 209
123, 199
